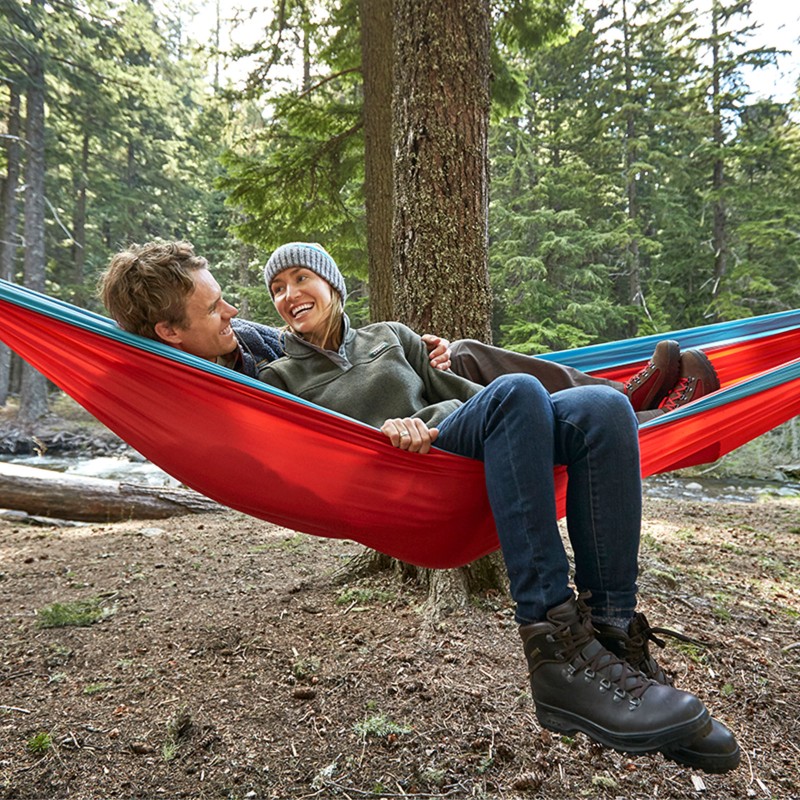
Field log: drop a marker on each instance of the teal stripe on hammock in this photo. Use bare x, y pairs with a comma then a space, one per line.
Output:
628, 351
96, 323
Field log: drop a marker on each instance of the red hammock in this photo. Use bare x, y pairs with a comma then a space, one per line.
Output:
269, 455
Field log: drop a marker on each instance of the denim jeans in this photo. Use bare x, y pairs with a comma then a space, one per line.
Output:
521, 432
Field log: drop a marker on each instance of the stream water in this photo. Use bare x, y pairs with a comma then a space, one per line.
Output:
118, 468
137, 470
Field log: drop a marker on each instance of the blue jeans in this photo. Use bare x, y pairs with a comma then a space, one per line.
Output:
521, 432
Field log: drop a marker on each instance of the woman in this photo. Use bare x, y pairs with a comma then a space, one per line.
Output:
381, 376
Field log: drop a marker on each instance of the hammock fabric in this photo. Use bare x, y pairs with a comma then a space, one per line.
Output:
270, 455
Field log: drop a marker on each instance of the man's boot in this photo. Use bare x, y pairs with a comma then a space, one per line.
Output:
697, 378
713, 751
578, 685
648, 387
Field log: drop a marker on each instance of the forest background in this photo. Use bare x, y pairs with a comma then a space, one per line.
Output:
623, 180
636, 183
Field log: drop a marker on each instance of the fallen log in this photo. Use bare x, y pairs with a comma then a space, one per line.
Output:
17, 517
48, 493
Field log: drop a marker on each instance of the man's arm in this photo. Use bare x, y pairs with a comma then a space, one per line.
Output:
438, 351
258, 344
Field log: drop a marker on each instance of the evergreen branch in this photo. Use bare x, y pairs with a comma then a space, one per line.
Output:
260, 73
61, 224
95, 73
328, 79
55, 217
83, 12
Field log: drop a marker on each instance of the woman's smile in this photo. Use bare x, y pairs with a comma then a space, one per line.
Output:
303, 299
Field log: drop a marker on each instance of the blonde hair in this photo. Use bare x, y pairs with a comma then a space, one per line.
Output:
333, 330
150, 283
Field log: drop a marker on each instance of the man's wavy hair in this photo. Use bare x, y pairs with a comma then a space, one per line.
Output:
150, 283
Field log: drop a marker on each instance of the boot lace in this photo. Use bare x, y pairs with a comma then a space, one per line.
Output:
615, 674
640, 377
638, 651
680, 394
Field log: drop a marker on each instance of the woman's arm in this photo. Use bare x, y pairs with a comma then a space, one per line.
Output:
439, 386
410, 434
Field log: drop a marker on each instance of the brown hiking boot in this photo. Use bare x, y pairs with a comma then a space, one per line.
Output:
714, 750
578, 685
650, 386
697, 378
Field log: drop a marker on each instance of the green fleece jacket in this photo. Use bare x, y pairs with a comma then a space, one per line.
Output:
381, 371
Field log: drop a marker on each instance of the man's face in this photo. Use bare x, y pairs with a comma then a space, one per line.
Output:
208, 333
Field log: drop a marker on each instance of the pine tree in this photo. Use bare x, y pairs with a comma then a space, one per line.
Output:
9, 214
441, 179
33, 391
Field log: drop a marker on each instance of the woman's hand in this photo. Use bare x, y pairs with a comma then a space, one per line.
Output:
438, 351
410, 434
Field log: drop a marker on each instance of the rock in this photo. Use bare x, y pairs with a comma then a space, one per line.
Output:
55, 435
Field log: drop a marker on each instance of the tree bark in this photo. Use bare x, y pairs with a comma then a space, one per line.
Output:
634, 292
55, 494
440, 109
33, 391
719, 234
10, 216
441, 179
244, 256
79, 220
376, 68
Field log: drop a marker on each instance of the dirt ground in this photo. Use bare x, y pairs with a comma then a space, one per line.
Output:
232, 662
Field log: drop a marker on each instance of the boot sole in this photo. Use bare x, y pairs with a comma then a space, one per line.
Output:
713, 764
711, 377
560, 721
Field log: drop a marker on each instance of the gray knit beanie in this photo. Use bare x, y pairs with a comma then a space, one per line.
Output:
309, 255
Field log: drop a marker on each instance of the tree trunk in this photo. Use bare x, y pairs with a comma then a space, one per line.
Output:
376, 68
55, 494
33, 392
130, 182
441, 178
244, 257
719, 234
632, 266
79, 220
306, 34
217, 31
9, 236
440, 107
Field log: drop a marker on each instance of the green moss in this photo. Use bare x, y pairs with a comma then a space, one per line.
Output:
77, 613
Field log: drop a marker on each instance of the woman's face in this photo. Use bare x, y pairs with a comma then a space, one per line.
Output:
303, 299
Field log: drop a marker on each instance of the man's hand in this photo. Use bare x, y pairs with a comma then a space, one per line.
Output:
438, 351
410, 434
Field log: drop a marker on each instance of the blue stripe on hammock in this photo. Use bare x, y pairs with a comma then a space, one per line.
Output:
96, 323
630, 351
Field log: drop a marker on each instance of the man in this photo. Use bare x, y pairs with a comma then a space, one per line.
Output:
164, 291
